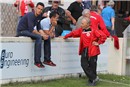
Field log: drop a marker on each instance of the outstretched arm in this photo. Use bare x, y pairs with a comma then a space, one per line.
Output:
74, 33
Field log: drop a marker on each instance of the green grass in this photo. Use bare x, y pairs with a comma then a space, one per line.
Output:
116, 78
124, 81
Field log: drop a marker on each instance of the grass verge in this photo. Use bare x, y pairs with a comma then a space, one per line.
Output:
106, 81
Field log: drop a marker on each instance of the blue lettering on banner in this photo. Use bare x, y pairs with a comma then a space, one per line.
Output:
7, 60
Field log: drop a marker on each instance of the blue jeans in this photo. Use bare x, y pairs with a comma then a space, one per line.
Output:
47, 49
112, 32
38, 45
87, 4
73, 26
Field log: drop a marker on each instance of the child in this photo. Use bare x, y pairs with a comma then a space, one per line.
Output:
90, 39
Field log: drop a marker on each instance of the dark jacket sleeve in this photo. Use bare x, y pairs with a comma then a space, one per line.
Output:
31, 22
61, 13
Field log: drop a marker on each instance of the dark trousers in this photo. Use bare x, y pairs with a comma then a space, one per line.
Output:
38, 45
89, 65
47, 49
58, 30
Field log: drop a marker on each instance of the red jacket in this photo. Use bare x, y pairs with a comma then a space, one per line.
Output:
127, 18
97, 22
86, 39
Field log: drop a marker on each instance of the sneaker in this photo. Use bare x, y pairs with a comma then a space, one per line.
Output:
93, 83
39, 65
50, 63
96, 80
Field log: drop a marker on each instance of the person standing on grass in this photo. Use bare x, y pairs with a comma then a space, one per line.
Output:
90, 39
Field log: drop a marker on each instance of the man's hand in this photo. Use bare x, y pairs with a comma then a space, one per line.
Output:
111, 37
95, 43
74, 21
62, 37
45, 37
113, 28
52, 35
43, 34
54, 23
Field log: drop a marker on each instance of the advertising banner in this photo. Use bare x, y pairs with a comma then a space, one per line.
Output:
17, 59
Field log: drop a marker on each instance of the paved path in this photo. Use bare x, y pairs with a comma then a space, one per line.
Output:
108, 81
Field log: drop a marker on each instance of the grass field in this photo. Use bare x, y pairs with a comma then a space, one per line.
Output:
106, 81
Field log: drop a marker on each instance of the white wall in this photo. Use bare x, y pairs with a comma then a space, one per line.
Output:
17, 59
115, 58
0, 21
118, 62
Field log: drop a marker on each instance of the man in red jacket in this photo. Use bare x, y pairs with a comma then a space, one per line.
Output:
90, 39
96, 19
